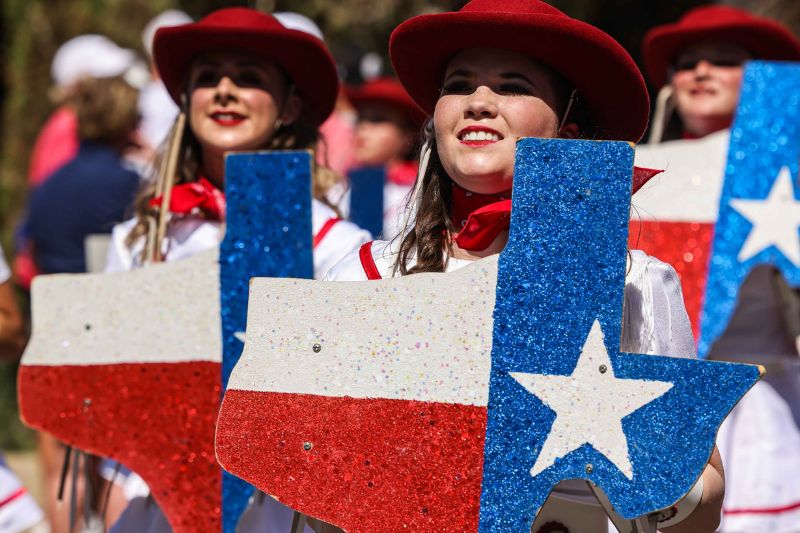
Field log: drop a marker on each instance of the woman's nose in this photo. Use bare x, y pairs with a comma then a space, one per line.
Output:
226, 90
702, 69
482, 103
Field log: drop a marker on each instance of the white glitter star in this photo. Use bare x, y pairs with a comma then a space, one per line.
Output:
775, 221
590, 405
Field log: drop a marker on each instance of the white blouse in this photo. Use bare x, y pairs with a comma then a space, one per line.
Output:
654, 317
190, 235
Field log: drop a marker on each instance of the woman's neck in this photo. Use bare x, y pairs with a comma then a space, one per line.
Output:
698, 128
473, 255
213, 168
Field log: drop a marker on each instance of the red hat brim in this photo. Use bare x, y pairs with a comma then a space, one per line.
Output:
765, 39
393, 97
301, 56
604, 74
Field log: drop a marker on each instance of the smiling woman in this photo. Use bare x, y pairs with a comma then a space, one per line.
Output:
490, 74
697, 63
244, 82
238, 103
490, 99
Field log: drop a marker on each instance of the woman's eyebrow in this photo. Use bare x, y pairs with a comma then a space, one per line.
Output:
463, 73
207, 63
255, 64
515, 76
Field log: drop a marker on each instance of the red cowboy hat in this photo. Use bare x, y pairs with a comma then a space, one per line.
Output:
764, 38
303, 57
389, 92
604, 74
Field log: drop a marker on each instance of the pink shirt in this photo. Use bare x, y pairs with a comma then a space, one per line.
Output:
56, 144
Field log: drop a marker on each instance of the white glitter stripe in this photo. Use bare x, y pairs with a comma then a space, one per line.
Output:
165, 313
374, 339
689, 189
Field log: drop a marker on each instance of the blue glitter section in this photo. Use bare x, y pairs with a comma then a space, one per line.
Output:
366, 198
765, 137
268, 234
563, 268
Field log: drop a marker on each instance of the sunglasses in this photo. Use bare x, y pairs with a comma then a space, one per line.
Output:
690, 63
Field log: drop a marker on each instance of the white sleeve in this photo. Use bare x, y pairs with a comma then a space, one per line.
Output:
343, 239
120, 256
348, 269
654, 316
5, 272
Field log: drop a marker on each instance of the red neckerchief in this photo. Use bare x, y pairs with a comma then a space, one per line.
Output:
402, 173
482, 217
200, 195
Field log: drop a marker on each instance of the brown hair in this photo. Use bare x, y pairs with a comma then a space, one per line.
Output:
107, 110
429, 237
302, 134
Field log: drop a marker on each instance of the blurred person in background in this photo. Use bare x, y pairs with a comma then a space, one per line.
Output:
155, 105
89, 55
92, 192
698, 64
85, 196
386, 133
18, 510
335, 147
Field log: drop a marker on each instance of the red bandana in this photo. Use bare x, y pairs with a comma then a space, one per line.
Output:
482, 217
402, 173
201, 195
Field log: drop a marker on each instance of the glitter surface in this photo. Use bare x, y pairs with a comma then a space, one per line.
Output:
114, 359
394, 404
153, 418
762, 167
687, 247
563, 269
374, 421
268, 234
373, 464
366, 198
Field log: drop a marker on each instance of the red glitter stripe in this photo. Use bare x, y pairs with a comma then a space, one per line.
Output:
687, 247
157, 419
368, 262
19, 493
343, 459
764, 510
326, 227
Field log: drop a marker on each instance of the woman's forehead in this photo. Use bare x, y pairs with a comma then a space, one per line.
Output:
232, 58
491, 61
713, 48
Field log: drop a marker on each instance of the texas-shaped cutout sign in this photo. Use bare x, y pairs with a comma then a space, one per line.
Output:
131, 365
456, 402
728, 202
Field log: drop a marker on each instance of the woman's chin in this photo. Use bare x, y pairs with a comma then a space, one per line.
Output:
226, 146
488, 183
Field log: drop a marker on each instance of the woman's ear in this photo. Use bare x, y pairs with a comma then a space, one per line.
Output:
292, 109
569, 131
